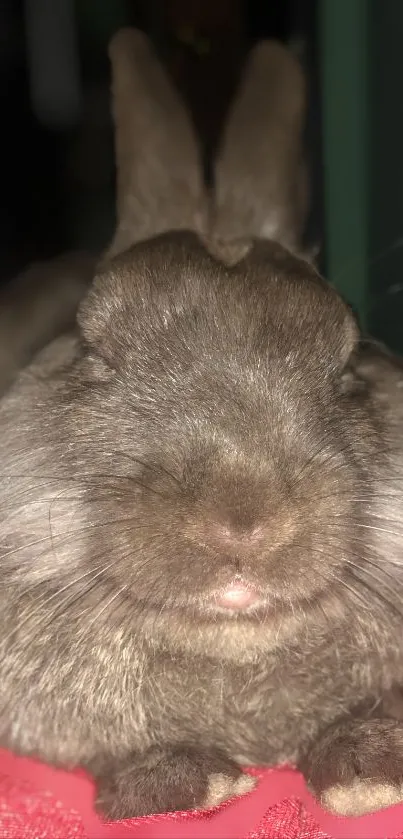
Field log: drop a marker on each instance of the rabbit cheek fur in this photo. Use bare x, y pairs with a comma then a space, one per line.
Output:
212, 426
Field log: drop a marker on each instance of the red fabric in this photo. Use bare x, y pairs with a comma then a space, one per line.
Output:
37, 802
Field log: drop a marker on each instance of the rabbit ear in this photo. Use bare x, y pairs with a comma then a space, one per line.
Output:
159, 177
260, 175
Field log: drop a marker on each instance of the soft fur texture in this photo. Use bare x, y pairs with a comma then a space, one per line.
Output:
216, 418
159, 179
37, 305
265, 125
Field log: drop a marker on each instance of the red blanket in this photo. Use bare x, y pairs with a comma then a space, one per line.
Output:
37, 802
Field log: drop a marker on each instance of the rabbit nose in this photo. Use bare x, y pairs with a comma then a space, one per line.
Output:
228, 536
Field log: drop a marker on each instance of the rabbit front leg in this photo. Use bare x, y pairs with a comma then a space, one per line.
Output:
170, 778
356, 767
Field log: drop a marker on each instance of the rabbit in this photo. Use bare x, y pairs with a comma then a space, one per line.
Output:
200, 514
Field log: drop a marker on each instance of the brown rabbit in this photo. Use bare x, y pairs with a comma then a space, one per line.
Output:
201, 532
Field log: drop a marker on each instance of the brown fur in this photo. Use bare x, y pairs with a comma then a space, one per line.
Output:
159, 181
261, 179
208, 420
160, 185
200, 395
357, 766
38, 305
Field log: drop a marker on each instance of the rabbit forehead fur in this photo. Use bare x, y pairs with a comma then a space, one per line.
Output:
173, 280
193, 406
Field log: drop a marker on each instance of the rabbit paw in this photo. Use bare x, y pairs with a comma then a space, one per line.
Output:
357, 767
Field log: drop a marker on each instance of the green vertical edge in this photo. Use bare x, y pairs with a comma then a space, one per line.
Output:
344, 56
386, 203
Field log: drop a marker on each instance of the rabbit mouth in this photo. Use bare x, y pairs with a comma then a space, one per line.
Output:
236, 598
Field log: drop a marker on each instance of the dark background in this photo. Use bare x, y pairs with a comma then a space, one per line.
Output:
57, 171
58, 180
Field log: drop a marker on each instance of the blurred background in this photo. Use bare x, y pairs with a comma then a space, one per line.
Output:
57, 169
